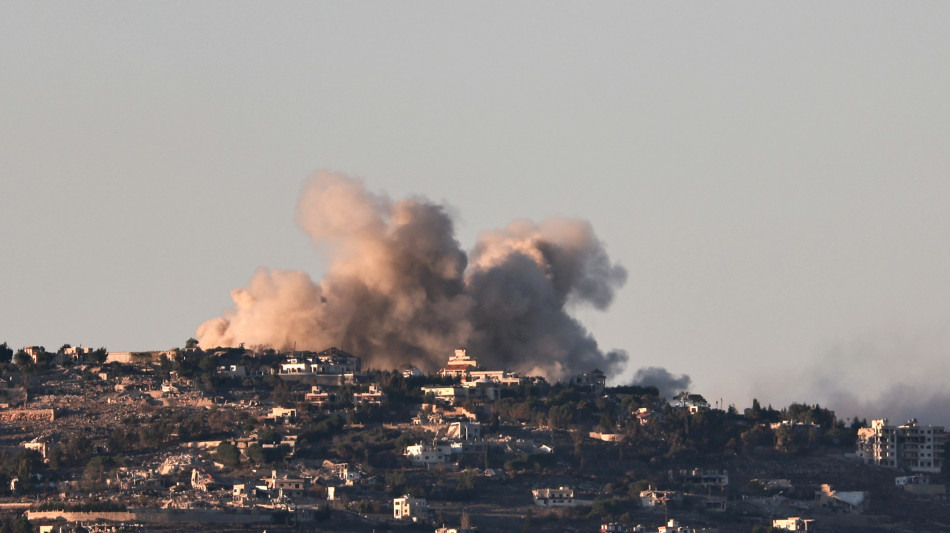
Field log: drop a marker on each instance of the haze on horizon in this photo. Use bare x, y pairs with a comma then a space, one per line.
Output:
773, 178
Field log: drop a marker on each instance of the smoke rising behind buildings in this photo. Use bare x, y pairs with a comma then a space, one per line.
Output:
400, 290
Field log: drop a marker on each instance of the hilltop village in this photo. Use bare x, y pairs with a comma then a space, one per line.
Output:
233, 439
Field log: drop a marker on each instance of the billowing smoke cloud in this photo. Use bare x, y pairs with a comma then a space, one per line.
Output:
399, 288
668, 384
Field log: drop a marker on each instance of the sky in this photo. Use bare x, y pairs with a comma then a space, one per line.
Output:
773, 177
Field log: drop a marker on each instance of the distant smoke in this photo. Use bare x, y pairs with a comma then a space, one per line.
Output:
668, 384
885, 373
898, 403
399, 288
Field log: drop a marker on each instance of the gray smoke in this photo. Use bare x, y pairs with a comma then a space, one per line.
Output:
399, 288
668, 384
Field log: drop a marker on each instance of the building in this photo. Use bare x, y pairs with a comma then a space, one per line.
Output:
285, 486
373, 396
232, 371
921, 485
702, 477
429, 454
911, 446
659, 498
595, 381
464, 431
851, 501
449, 395
673, 526
296, 366
794, 523
282, 414
320, 397
409, 508
459, 365
413, 372
559, 497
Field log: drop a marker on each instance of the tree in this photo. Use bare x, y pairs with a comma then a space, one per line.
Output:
191, 343
22, 525
22, 359
99, 355
227, 454
255, 453
6, 353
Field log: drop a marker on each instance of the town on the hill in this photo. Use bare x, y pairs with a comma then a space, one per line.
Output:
239, 439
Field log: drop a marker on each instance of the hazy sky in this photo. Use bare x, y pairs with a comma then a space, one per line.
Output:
774, 177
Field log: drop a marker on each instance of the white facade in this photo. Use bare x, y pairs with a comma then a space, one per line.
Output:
409, 508
914, 447
559, 497
794, 523
427, 454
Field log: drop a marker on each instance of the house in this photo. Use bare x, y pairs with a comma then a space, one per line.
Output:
645, 415
459, 365
344, 472
464, 431
409, 508
320, 397
336, 361
282, 414
285, 486
672, 526
911, 446
202, 480
77, 352
295, 366
34, 352
429, 454
232, 371
559, 497
413, 372
794, 523
694, 403
659, 498
241, 492
702, 477
853, 501
607, 437
498, 377
920, 485
373, 396
449, 394
38, 445
595, 381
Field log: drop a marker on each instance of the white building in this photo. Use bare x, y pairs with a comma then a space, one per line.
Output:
910, 446
295, 366
282, 414
659, 498
233, 371
794, 523
429, 454
559, 497
459, 365
409, 508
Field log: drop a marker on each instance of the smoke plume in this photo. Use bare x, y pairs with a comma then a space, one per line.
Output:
668, 384
399, 289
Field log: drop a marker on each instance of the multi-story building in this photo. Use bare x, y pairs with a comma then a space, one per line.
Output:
559, 497
911, 446
429, 454
409, 508
459, 365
